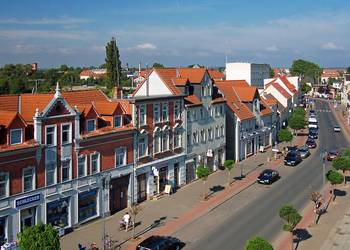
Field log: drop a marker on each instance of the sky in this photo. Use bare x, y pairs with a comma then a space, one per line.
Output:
175, 32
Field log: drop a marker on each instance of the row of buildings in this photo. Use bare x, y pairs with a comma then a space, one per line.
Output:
70, 157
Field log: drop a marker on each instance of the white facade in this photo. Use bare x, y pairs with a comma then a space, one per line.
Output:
154, 86
253, 73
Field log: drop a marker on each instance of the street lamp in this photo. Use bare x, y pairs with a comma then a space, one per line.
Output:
323, 154
105, 179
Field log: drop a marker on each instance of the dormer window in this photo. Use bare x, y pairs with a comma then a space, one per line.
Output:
117, 121
15, 136
90, 125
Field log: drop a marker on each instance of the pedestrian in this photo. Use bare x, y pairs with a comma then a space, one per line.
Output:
126, 219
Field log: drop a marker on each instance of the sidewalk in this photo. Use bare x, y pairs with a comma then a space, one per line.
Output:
170, 213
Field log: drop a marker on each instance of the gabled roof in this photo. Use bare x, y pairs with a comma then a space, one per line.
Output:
181, 81
87, 72
127, 106
30, 102
247, 94
7, 117
270, 100
167, 75
84, 96
106, 108
9, 102
86, 108
192, 100
280, 89
194, 75
214, 74
284, 81
266, 110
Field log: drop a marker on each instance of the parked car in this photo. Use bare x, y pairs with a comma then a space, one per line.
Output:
311, 143
292, 158
292, 148
312, 112
313, 130
304, 152
156, 242
312, 135
268, 176
332, 155
336, 128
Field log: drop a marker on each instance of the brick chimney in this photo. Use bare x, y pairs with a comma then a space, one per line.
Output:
118, 93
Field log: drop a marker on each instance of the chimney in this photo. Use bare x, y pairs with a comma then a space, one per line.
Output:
118, 93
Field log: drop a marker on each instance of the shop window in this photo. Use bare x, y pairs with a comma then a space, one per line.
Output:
50, 135
81, 166
4, 184
142, 146
66, 133
117, 121
15, 136
28, 217
95, 163
156, 113
87, 205
156, 143
50, 174
28, 179
66, 170
165, 112
57, 213
90, 125
120, 157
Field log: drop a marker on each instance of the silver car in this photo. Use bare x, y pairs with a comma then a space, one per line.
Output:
304, 152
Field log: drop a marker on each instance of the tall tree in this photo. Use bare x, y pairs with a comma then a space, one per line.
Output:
113, 64
291, 216
305, 68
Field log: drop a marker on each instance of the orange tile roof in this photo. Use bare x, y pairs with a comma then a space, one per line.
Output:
214, 74
27, 144
127, 106
194, 75
246, 94
167, 75
86, 108
290, 86
87, 72
218, 100
84, 96
181, 81
266, 108
9, 102
7, 117
235, 83
106, 108
30, 102
270, 100
192, 100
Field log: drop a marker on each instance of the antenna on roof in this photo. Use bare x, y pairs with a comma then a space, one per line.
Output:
147, 81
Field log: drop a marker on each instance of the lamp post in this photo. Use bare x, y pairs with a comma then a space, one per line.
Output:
105, 178
323, 156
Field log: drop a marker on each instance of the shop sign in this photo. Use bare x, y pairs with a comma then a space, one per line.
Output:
27, 200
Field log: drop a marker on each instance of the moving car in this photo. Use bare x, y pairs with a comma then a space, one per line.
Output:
336, 128
292, 158
304, 152
156, 242
312, 135
311, 143
268, 176
332, 155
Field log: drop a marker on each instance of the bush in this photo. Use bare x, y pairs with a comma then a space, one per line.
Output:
284, 135
258, 243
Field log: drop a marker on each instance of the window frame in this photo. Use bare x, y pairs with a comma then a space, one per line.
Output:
32, 179
165, 105
98, 162
69, 133
156, 106
15, 130
166, 135
54, 135
69, 160
85, 166
157, 135
53, 170
145, 146
177, 136
87, 125
177, 110
117, 155
114, 121
6, 182
144, 114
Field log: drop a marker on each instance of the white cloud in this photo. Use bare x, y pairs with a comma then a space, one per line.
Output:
331, 46
45, 21
144, 46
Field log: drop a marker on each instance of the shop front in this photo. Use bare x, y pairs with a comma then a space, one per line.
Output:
190, 170
119, 193
57, 213
3, 234
28, 211
159, 179
87, 205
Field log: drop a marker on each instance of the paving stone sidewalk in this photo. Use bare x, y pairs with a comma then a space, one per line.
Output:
155, 214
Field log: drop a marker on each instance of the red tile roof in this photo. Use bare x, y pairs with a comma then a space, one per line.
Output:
290, 86
181, 81
194, 75
218, 100
30, 102
84, 96
87, 72
216, 75
7, 117
9, 102
266, 110
192, 100
127, 106
236, 83
105, 107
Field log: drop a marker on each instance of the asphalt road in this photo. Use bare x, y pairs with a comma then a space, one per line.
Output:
255, 210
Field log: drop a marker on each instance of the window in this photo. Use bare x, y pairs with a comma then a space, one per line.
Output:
4, 184
165, 113
50, 174
142, 146
117, 121
156, 143
95, 163
188, 139
66, 134
203, 135
210, 134
15, 136
156, 113
209, 111
222, 132
221, 110
90, 125
28, 179
50, 135
188, 115
194, 115
195, 137
177, 113
201, 112
81, 166
120, 157
142, 115
203, 91
217, 132
216, 111
66, 170
177, 138
165, 141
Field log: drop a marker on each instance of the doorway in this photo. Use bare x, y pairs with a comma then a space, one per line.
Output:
28, 217
118, 199
176, 175
141, 188
162, 179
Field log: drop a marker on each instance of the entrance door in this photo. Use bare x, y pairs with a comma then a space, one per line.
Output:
176, 175
190, 172
162, 179
118, 199
141, 188
28, 217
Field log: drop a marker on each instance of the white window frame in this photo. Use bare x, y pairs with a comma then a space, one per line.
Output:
54, 135
32, 177
116, 155
87, 125
222, 132
69, 133
146, 146
165, 135
85, 172
217, 132
69, 169
157, 136
177, 135
143, 114
177, 110
203, 135
7, 183
98, 162
165, 107
210, 134
114, 121
156, 106
54, 170
14, 130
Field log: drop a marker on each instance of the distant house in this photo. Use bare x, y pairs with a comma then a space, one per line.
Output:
92, 73
330, 73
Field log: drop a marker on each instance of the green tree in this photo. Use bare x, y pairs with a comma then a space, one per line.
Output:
202, 173
157, 65
39, 236
305, 88
291, 216
113, 64
334, 178
284, 135
229, 164
342, 163
258, 243
305, 68
297, 122
299, 111
272, 73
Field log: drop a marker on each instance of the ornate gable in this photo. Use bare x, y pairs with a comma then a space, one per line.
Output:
58, 109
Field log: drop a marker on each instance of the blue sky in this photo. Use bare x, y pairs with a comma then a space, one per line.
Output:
175, 32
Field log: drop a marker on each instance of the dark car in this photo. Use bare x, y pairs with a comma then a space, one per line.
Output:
304, 152
292, 148
311, 143
268, 176
313, 130
156, 242
312, 112
313, 135
293, 158
332, 155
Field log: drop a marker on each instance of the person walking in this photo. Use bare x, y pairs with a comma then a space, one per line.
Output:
126, 219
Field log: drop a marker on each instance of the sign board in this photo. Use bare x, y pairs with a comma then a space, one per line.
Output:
155, 171
167, 189
210, 153
27, 200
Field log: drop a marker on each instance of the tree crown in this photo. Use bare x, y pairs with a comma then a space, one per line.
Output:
202, 172
334, 177
258, 243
